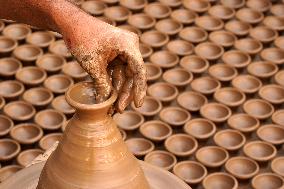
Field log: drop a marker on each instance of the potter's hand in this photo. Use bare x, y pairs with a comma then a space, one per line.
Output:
95, 45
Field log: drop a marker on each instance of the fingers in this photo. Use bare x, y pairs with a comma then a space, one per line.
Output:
125, 96
118, 76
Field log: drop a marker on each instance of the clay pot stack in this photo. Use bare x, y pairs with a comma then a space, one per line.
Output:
214, 110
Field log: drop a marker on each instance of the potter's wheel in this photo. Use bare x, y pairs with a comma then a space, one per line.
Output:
157, 178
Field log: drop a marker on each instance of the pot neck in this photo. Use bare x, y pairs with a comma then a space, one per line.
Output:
93, 114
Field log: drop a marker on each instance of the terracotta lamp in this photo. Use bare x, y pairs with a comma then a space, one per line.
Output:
92, 154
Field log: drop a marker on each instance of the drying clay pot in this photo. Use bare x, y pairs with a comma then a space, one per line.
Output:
193, 34
174, 116
56, 34
274, 23
59, 48
157, 10
249, 15
154, 38
229, 139
110, 2
263, 34
168, 26
190, 171
128, 120
235, 4
130, 29
243, 122
209, 23
155, 130
212, 156
278, 117
222, 72
27, 53
242, 167
48, 140
236, 58
180, 47
164, 59
271, 133
8, 171
94, 7
141, 21
200, 128
198, 6
17, 31
117, 13
272, 93
154, 72
26, 133
107, 20
31, 75
27, 156
194, 64
222, 12
150, 107
267, 180
133, 5
239, 28
172, 3
2, 25
191, 101
179, 77
6, 124
262, 69
2, 102
9, 149
181, 145
215, 112
123, 134
223, 38
9, 66
262, 5
19, 110
145, 50
162, 91
209, 51
59, 103
277, 10
41, 39
50, 119
260, 151
184, 16
247, 83
258, 108
11, 89
277, 166
58, 84
220, 181
279, 78
74, 70
205, 85
230, 96
248, 45
139, 146
38, 97
162, 159
7, 45
274, 55
51, 63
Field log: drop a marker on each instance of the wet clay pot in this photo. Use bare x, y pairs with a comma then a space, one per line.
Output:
154, 38
212, 156
236, 58
11, 89
274, 22
223, 38
94, 7
248, 45
157, 10
235, 4
181, 145
58, 84
249, 15
278, 117
222, 72
193, 34
271, 133
194, 64
229, 139
9, 149
260, 151
117, 13
180, 47
198, 6
268, 180
237, 27
39, 96
155, 130
26, 133
162, 91
174, 116
6, 124
168, 26
190, 171
154, 72
133, 5
139, 146
9, 67
191, 101
150, 107
141, 21
215, 112
205, 85
59, 103
145, 50
242, 167
200, 128
51, 63
19, 110
7, 45
262, 5
263, 34
165, 59
258, 108
277, 166
279, 78
274, 55
222, 12
59, 48
41, 39
31, 75
220, 181
243, 122
27, 53
162, 159
230, 96
128, 120
183, 16
272, 93
247, 83
27, 156
179, 77
48, 140
50, 119
209, 51
209, 23
8, 171
17, 31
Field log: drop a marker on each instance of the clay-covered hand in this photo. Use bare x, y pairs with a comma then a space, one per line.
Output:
112, 57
